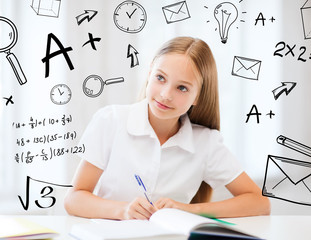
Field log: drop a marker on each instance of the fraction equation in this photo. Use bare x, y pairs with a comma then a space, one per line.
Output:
33, 122
47, 154
46, 138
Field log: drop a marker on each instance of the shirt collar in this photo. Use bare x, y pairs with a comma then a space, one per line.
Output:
138, 125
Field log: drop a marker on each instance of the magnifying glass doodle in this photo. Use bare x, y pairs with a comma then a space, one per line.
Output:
8, 39
93, 85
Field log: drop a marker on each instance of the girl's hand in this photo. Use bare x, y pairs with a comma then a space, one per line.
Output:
168, 203
139, 208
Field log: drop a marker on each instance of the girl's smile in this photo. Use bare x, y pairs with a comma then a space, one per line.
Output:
162, 106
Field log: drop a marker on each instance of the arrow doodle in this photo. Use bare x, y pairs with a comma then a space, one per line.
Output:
88, 14
132, 53
286, 87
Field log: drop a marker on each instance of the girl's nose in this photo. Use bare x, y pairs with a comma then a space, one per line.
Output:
166, 93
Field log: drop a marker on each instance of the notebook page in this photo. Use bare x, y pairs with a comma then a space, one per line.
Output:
130, 228
178, 221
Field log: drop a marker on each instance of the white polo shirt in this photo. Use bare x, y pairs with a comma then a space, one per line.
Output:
120, 141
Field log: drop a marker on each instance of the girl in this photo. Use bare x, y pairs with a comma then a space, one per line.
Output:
171, 140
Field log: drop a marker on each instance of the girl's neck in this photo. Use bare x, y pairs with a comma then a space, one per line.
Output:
164, 128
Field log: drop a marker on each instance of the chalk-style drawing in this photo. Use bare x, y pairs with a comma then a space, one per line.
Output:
9, 38
87, 15
48, 8
176, 12
132, 53
9, 100
294, 145
226, 14
246, 68
44, 194
130, 17
288, 179
60, 94
92, 41
286, 88
93, 85
306, 16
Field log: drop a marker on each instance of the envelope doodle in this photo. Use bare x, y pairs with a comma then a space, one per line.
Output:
288, 179
176, 12
292, 184
246, 67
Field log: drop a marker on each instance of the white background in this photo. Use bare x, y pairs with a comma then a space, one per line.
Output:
250, 142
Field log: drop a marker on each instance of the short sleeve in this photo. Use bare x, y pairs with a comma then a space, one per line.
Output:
221, 165
98, 137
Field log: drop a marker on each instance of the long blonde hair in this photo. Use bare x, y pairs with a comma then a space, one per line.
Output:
206, 110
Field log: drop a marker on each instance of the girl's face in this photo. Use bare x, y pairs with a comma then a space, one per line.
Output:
172, 86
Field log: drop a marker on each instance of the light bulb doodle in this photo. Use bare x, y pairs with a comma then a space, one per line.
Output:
226, 14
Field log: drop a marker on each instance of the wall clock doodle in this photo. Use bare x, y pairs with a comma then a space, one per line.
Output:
130, 17
60, 94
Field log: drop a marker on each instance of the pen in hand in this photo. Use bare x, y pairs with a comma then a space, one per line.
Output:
141, 184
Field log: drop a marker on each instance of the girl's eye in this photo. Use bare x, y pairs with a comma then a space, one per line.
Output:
183, 88
160, 78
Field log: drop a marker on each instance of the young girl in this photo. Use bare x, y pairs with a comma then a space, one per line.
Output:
171, 140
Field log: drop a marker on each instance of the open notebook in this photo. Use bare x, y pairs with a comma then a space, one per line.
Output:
21, 228
166, 223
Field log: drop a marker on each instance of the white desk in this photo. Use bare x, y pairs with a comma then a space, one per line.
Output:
267, 227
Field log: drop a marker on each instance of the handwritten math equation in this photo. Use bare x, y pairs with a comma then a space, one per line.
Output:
34, 123
292, 50
30, 146
47, 138
47, 154
46, 199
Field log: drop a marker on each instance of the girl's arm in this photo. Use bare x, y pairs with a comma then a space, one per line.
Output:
247, 201
80, 200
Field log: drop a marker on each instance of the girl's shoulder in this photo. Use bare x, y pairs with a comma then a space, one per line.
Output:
202, 133
112, 111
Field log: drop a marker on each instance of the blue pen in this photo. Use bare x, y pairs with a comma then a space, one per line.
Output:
141, 184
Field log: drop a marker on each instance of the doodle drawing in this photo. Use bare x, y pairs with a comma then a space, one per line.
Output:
87, 15
60, 94
91, 41
226, 14
176, 12
246, 68
130, 17
8, 41
132, 53
306, 16
48, 8
44, 194
288, 179
62, 50
292, 182
286, 87
294, 145
9, 100
93, 85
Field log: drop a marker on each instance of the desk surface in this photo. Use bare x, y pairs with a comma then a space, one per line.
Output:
266, 227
